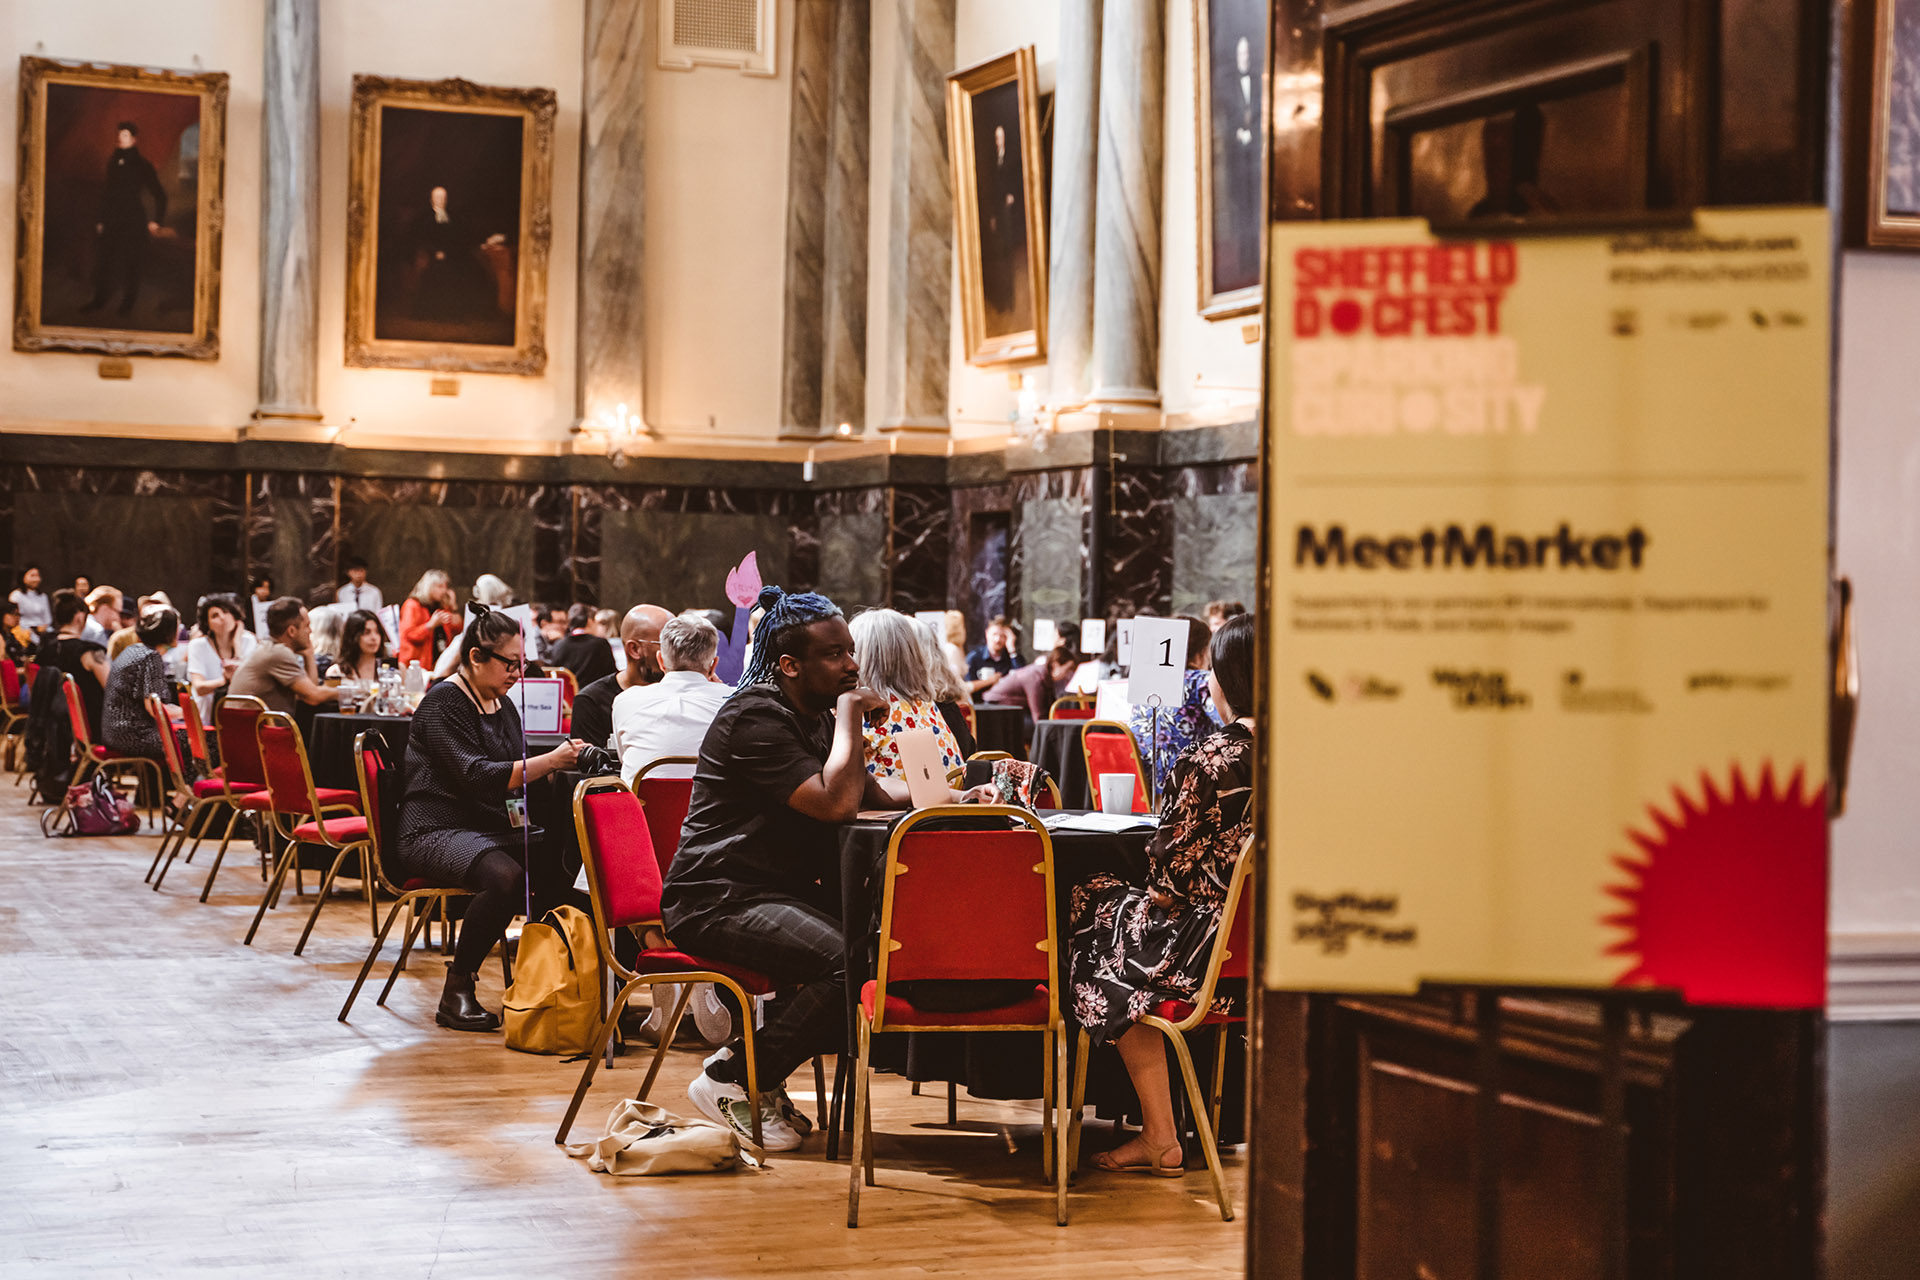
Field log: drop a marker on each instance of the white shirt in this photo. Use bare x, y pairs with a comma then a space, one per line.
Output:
367, 597
36, 614
95, 632
203, 663
670, 718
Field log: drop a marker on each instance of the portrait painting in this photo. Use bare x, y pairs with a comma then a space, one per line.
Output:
993, 131
448, 226
1890, 202
120, 210
1230, 41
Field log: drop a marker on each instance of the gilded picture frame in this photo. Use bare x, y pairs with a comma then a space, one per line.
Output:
999, 211
1889, 207
449, 226
113, 253
1229, 91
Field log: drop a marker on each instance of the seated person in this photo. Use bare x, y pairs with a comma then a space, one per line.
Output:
893, 664
223, 642
950, 692
783, 766
671, 717
14, 634
362, 648
281, 672
580, 650
126, 726
640, 639
1132, 946
988, 663
103, 606
1164, 733
1036, 685
464, 758
85, 660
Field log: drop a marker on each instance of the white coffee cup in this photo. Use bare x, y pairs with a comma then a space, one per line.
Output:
1116, 793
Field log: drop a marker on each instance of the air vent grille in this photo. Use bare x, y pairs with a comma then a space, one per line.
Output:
718, 33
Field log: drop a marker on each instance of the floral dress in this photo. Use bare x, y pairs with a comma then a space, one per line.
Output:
1165, 733
1124, 954
883, 746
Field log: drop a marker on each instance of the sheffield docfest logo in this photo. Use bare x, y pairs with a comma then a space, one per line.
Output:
1407, 339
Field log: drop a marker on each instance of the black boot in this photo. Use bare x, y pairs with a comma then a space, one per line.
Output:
460, 1008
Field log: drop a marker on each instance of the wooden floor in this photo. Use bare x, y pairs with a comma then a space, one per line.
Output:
172, 1102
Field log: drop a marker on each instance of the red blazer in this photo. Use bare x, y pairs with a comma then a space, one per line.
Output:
419, 640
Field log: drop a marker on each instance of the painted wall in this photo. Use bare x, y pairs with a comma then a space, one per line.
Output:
519, 43
1876, 879
61, 390
1208, 371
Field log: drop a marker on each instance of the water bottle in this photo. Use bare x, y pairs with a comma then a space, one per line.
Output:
415, 687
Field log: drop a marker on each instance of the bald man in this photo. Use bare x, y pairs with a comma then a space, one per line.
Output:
640, 637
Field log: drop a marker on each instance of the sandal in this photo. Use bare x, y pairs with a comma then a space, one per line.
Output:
1157, 1167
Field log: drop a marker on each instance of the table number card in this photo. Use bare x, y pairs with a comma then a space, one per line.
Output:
1093, 636
1046, 634
1156, 676
1125, 656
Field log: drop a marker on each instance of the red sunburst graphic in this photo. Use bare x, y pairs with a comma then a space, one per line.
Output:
1726, 899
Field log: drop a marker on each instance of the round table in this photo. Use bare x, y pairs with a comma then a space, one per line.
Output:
1000, 728
330, 745
1056, 748
1004, 1065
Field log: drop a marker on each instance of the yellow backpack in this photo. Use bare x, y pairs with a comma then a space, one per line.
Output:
554, 1003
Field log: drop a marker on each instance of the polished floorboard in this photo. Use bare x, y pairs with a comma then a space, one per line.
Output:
174, 1103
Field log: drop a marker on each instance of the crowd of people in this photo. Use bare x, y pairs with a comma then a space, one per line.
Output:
808, 737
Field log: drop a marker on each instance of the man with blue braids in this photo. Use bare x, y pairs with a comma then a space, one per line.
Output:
782, 767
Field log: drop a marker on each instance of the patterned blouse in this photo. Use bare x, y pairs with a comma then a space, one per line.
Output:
1164, 737
127, 726
883, 751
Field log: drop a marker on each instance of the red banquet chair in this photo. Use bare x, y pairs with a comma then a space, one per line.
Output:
95, 758
242, 777
210, 798
1001, 884
176, 828
664, 800
1108, 747
624, 881
13, 717
1232, 959
299, 814
409, 892
1072, 706
972, 718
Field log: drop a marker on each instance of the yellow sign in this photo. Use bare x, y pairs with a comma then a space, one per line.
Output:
1547, 549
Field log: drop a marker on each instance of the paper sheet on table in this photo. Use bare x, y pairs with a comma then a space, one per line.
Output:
1101, 823
529, 634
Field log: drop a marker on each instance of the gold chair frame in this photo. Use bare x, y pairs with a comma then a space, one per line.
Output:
285, 824
1206, 1111
227, 792
632, 981
1053, 1133
1141, 785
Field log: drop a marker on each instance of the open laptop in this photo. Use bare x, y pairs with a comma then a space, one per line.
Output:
925, 771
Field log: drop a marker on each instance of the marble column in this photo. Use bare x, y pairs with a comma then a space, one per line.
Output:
1126, 283
824, 366
290, 213
919, 293
612, 209
1070, 239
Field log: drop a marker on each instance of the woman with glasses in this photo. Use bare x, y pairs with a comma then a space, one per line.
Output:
465, 761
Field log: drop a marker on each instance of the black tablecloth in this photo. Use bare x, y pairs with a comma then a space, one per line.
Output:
1056, 748
1000, 729
330, 745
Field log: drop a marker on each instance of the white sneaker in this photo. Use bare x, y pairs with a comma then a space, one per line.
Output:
727, 1104
795, 1118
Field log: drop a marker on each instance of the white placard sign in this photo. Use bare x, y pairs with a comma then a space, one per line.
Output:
538, 701
1110, 702
390, 619
1125, 656
1045, 635
1159, 662
1093, 636
529, 633
934, 618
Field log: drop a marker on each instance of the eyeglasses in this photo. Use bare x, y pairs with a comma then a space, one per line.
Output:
511, 664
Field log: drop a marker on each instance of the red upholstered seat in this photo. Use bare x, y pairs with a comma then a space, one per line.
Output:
330, 798
1179, 1010
261, 800
340, 829
899, 1013
667, 960
417, 883
100, 752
